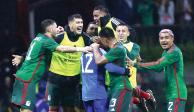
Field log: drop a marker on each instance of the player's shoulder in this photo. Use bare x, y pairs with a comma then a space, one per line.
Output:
136, 45
60, 37
174, 49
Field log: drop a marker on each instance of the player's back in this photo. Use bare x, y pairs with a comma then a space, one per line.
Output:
93, 78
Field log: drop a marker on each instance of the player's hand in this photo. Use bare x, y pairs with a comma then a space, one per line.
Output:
60, 29
17, 59
129, 62
96, 39
95, 45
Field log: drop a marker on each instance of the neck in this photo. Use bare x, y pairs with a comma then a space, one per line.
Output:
48, 34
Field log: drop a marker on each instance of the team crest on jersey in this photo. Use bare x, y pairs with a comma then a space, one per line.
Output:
28, 103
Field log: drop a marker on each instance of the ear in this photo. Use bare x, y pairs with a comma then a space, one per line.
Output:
128, 34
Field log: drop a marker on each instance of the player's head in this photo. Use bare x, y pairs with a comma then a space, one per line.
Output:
122, 32
49, 26
75, 23
106, 36
166, 38
99, 11
92, 29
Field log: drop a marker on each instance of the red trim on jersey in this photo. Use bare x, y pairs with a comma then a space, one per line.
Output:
46, 91
32, 73
175, 75
24, 93
176, 104
120, 101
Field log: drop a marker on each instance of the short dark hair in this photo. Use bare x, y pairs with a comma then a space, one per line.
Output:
130, 29
102, 8
46, 23
71, 17
124, 24
107, 33
92, 22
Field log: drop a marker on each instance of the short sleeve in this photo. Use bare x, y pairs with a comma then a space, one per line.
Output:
115, 54
50, 44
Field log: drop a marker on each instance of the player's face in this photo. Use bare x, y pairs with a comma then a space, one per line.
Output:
104, 42
97, 14
92, 29
53, 29
122, 33
76, 25
166, 40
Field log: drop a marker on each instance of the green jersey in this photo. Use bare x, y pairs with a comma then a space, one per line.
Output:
117, 56
35, 62
171, 63
133, 52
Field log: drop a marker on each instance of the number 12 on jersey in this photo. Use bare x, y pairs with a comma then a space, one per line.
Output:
86, 63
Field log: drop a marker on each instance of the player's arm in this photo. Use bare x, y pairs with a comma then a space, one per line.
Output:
110, 67
52, 46
159, 65
62, 48
99, 58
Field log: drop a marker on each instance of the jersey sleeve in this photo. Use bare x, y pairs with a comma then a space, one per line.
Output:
115, 54
50, 44
167, 59
110, 67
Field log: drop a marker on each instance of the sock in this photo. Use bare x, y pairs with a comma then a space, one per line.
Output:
135, 100
142, 93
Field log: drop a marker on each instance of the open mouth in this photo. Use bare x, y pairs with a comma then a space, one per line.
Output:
79, 29
164, 45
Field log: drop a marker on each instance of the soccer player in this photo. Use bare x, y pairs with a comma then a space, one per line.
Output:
103, 18
94, 94
120, 91
34, 65
65, 68
92, 29
171, 63
123, 32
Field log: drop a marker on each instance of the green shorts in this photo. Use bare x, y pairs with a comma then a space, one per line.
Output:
63, 90
24, 95
176, 105
120, 100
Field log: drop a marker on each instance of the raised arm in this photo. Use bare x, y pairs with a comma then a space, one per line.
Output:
62, 48
110, 67
99, 58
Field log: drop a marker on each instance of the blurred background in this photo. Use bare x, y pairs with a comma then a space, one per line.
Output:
20, 20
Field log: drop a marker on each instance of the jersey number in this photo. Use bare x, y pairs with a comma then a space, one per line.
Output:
170, 104
30, 51
89, 58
